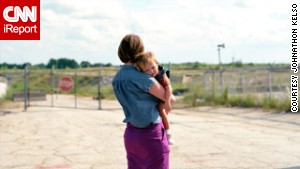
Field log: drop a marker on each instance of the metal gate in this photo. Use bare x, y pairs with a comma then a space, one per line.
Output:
67, 88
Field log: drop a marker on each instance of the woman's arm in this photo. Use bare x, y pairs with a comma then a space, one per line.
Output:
158, 91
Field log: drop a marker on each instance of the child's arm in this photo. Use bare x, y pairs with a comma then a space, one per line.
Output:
168, 94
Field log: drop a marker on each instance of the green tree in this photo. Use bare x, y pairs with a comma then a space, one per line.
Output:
52, 62
85, 64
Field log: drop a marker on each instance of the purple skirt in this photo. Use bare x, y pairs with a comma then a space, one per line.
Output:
147, 148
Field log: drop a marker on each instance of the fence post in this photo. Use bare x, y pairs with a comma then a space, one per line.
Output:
243, 81
206, 81
99, 88
75, 88
213, 85
221, 79
52, 85
25, 88
270, 82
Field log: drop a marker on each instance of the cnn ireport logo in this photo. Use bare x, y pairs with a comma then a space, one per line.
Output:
20, 20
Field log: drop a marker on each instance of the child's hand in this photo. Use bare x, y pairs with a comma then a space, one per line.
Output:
172, 99
168, 107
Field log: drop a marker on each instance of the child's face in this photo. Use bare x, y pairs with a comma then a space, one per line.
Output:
151, 68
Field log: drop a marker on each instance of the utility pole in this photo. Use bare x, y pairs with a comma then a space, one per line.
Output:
220, 63
219, 54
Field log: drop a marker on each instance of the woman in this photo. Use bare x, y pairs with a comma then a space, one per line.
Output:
139, 94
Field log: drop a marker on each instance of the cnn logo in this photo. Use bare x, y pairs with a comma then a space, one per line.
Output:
20, 20
24, 14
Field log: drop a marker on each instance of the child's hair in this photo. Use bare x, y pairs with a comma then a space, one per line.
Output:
143, 58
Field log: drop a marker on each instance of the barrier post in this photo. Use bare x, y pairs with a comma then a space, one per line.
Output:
25, 88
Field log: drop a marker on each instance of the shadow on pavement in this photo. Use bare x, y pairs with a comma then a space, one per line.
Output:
296, 167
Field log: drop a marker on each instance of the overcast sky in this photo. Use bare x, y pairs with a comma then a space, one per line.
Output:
177, 31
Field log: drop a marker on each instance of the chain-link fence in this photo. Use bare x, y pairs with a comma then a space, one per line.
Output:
272, 82
84, 88
267, 87
68, 88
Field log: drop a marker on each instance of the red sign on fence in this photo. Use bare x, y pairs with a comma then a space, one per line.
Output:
66, 83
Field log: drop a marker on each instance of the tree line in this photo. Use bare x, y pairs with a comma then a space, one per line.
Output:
61, 63
64, 63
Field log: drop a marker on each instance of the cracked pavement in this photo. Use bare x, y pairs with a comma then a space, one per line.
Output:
206, 138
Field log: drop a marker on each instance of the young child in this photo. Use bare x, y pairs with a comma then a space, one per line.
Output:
147, 63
